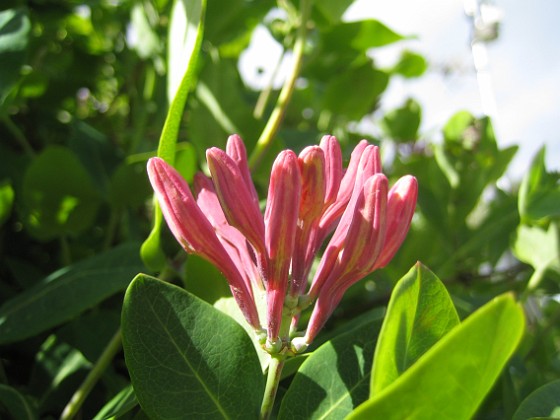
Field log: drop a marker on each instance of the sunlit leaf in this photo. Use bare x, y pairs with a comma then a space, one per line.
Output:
451, 380
420, 313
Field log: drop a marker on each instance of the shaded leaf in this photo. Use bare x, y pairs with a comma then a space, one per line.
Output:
58, 195
120, 404
544, 402
420, 313
334, 379
185, 358
68, 292
16, 405
451, 380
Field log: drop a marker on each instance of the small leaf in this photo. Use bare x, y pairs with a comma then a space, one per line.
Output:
451, 380
355, 92
360, 35
334, 379
16, 405
411, 65
6, 201
420, 313
58, 195
68, 292
185, 358
120, 404
14, 34
538, 247
539, 192
402, 123
544, 402
332, 10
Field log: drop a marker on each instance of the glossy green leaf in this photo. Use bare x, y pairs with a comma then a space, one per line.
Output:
186, 32
68, 292
58, 195
334, 379
543, 402
120, 404
186, 359
402, 123
420, 313
16, 405
451, 380
14, 33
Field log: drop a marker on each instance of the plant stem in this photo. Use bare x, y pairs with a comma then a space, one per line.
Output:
277, 114
265, 93
93, 376
272, 380
18, 135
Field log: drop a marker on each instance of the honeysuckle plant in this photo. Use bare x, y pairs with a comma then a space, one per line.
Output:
287, 303
309, 197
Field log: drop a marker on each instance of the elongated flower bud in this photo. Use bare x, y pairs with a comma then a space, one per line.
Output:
400, 209
197, 236
281, 216
232, 240
236, 198
235, 148
333, 168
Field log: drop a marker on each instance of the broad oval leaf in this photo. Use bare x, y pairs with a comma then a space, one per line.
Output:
334, 379
68, 292
451, 380
543, 402
420, 313
186, 359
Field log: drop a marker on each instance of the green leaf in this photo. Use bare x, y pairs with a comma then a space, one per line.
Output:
361, 35
402, 123
334, 379
455, 128
420, 313
185, 32
185, 358
543, 402
539, 248
332, 10
129, 186
539, 192
58, 195
16, 405
120, 404
68, 292
410, 65
14, 34
355, 92
451, 380
6, 201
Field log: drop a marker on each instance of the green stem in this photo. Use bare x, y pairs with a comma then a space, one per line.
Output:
112, 226
265, 93
272, 380
94, 375
277, 114
18, 135
65, 254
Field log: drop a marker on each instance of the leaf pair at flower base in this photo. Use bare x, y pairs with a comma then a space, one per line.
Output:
188, 359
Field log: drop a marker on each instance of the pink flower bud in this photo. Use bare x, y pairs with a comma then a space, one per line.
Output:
281, 217
235, 148
195, 233
400, 209
236, 198
333, 167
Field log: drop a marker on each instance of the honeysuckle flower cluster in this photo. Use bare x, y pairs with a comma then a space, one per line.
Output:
310, 197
